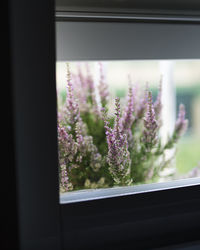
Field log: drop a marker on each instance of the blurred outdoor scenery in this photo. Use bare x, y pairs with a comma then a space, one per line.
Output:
181, 84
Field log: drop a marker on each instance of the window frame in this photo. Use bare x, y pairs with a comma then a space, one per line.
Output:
142, 219
149, 220
153, 7
33, 108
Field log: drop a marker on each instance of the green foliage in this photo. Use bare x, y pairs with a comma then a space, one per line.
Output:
122, 149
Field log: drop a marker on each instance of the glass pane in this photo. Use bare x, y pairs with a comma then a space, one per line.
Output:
124, 123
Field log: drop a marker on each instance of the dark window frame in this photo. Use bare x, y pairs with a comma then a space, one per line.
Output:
141, 218
153, 7
33, 106
147, 220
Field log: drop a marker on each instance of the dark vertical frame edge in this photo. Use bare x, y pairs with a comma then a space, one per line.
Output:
32, 49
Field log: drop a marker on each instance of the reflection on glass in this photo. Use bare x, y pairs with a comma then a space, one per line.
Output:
124, 123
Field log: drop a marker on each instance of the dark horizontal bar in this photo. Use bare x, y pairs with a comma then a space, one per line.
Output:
128, 5
142, 218
119, 17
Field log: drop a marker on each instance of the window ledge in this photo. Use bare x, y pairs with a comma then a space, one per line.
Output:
95, 194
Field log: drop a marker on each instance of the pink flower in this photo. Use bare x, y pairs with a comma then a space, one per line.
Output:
181, 123
91, 98
158, 104
72, 108
64, 180
67, 146
150, 125
118, 156
141, 103
103, 87
128, 117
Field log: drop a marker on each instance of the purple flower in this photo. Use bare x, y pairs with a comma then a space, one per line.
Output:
181, 123
142, 103
67, 146
64, 180
95, 158
81, 77
89, 79
128, 118
118, 124
103, 87
86, 148
158, 104
72, 108
91, 98
118, 156
79, 133
150, 125
180, 127
66, 155
80, 90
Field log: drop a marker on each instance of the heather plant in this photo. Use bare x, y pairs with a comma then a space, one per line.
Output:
118, 157
99, 149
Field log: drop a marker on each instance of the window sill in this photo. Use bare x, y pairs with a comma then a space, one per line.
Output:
96, 194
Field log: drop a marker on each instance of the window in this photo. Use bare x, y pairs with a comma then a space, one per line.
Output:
89, 213
127, 41
145, 218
